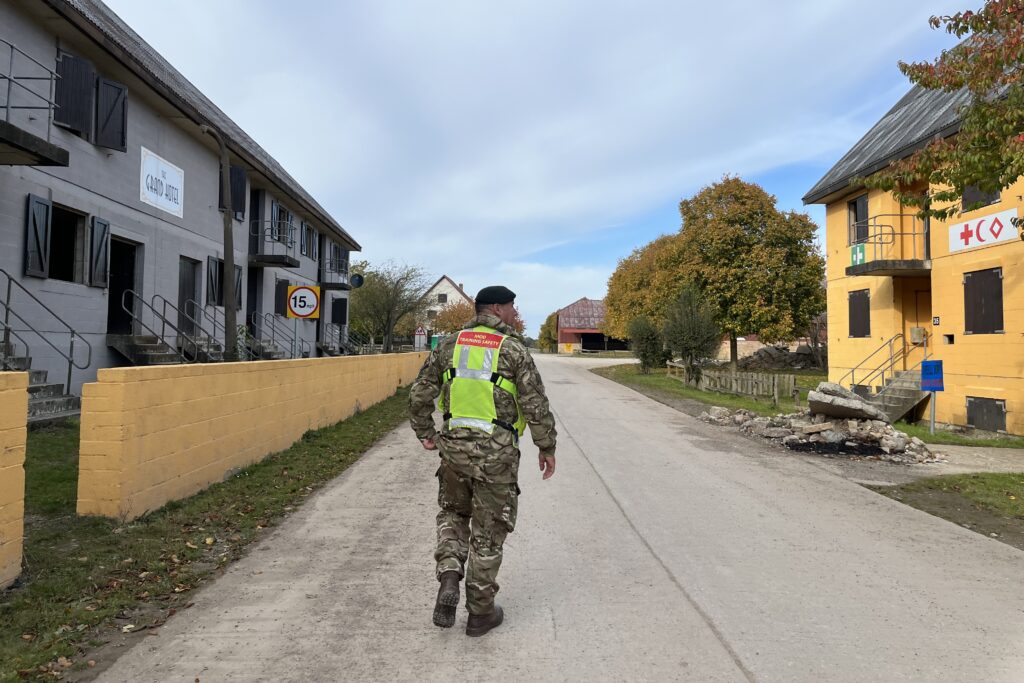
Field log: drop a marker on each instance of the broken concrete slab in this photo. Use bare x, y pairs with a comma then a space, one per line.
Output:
836, 406
814, 429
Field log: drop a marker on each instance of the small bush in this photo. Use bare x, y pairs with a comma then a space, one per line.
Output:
691, 332
646, 344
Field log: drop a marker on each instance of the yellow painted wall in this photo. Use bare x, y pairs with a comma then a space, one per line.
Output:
155, 434
984, 365
13, 416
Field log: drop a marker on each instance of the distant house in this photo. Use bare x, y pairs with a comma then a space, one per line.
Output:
579, 328
442, 294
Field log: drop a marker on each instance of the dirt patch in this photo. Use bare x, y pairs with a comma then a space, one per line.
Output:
953, 507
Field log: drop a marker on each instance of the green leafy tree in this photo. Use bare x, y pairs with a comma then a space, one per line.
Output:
646, 343
691, 332
757, 266
988, 150
391, 292
548, 339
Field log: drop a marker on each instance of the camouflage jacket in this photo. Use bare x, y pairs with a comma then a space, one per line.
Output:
487, 457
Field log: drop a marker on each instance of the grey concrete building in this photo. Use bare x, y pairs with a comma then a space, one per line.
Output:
111, 233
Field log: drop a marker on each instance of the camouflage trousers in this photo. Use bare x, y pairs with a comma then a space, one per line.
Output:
474, 520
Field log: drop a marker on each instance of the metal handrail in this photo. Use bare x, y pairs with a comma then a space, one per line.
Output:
900, 356
887, 344
882, 232
198, 338
12, 80
156, 314
218, 326
294, 342
70, 355
4, 362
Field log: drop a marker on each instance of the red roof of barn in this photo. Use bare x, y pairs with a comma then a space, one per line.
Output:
585, 314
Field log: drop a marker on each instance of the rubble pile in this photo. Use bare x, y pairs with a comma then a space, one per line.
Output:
777, 358
838, 422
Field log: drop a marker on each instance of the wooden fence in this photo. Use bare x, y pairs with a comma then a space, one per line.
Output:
756, 384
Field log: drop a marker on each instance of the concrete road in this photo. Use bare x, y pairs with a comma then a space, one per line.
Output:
663, 549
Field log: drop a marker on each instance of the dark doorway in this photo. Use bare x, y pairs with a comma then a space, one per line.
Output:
122, 279
188, 295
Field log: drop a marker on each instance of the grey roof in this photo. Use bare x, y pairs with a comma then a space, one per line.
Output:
917, 118
121, 41
584, 314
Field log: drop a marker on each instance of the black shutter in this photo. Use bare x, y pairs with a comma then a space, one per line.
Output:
37, 237
75, 93
281, 297
99, 252
860, 313
238, 191
112, 115
212, 280
339, 311
238, 287
983, 301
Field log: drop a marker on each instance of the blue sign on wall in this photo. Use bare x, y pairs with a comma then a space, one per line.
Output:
931, 375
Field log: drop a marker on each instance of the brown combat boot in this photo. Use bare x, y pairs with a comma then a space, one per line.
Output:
479, 624
447, 600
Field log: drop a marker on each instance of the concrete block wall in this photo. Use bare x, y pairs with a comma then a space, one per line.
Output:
155, 434
13, 413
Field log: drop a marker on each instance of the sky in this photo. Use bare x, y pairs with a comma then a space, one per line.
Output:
535, 143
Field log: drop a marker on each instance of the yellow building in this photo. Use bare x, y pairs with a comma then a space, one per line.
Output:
902, 289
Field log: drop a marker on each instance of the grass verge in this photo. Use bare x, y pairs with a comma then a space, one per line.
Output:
989, 503
920, 430
658, 381
87, 578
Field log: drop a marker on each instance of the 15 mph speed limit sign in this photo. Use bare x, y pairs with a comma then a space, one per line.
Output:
303, 301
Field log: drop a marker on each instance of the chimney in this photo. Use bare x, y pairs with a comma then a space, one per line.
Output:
460, 285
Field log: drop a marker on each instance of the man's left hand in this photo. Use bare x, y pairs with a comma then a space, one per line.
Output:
429, 444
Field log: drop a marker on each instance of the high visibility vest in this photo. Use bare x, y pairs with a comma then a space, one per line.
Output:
473, 376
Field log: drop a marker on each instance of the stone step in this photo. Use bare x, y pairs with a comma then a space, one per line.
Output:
37, 391
17, 363
58, 404
36, 377
156, 357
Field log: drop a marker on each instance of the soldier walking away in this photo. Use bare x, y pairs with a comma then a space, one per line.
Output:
490, 390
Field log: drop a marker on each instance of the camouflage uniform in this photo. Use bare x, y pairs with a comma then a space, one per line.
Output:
478, 494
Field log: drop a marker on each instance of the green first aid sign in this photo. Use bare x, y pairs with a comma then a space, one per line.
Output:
857, 255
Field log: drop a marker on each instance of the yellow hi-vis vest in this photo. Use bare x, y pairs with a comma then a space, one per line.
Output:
473, 376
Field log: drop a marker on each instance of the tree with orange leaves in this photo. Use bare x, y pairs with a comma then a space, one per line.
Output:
988, 150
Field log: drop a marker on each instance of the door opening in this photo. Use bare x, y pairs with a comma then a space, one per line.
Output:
188, 295
122, 278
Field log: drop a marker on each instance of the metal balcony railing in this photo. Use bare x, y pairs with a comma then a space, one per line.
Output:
15, 84
892, 237
276, 238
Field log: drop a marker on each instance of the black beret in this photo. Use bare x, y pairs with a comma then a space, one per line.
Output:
495, 294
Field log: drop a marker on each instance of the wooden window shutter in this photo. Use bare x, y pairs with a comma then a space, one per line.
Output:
112, 115
281, 297
238, 191
37, 237
99, 252
983, 301
212, 280
75, 93
860, 313
339, 311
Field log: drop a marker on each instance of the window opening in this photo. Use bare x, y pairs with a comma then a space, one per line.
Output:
67, 245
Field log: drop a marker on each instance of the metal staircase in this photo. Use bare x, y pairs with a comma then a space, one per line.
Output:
47, 401
890, 377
